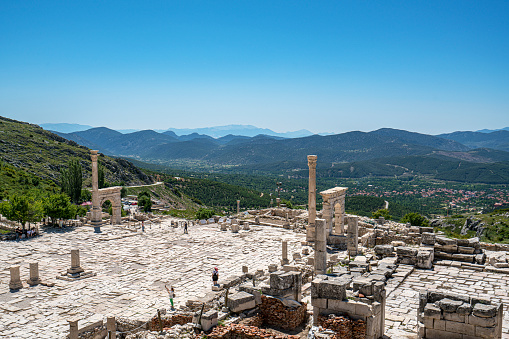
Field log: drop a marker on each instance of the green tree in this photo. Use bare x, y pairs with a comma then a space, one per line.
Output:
415, 219
204, 213
58, 206
123, 192
22, 209
145, 201
382, 213
72, 180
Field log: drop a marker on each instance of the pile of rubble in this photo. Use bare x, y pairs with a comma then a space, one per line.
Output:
236, 331
169, 321
275, 313
344, 327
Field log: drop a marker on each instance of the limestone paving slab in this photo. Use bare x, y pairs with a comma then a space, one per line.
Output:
131, 272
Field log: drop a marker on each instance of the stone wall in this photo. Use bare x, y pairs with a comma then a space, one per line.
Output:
449, 315
466, 250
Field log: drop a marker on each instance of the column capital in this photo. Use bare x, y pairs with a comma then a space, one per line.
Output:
312, 161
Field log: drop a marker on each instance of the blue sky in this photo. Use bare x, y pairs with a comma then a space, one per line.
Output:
325, 66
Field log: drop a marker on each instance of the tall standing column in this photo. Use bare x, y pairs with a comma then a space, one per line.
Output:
352, 236
96, 208
320, 247
310, 231
238, 206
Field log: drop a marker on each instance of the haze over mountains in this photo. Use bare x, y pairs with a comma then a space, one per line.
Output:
214, 132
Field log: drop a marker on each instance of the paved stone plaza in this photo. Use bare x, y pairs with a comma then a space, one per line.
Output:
131, 268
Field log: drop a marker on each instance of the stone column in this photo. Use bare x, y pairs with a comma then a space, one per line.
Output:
96, 208
352, 236
75, 263
73, 329
116, 214
284, 254
111, 326
327, 214
238, 206
310, 231
15, 283
34, 274
320, 246
278, 202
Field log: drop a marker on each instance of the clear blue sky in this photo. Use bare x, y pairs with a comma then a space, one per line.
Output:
326, 66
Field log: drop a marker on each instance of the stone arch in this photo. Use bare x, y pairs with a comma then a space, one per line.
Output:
99, 196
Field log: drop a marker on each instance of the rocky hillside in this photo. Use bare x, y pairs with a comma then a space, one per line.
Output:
37, 151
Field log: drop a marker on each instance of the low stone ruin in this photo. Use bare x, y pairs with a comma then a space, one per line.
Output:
466, 250
448, 315
362, 298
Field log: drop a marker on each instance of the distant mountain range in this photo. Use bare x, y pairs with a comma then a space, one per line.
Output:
214, 132
460, 156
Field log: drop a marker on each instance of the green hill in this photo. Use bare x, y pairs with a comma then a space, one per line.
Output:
34, 150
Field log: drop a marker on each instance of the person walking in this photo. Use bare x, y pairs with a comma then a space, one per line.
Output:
185, 228
215, 276
171, 292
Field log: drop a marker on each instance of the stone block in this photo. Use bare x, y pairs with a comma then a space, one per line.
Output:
474, 242
439, 324
485, 311
452, 326
431, 310
470, 258
319, 302
425, 259
445, 241
428, 322
479, 300
427, 238
347, 306
281, 280
464, 309
272, 268
446, 248
315, 287
406, 251
334, 289
248, 287
448, 305
363, 285
486, 332
437, 334
209, 320
241, 301
384, 250
362, 309
466, 250
484, 322
459, 318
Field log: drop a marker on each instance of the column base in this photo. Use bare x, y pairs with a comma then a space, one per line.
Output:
34, 282
15, 285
